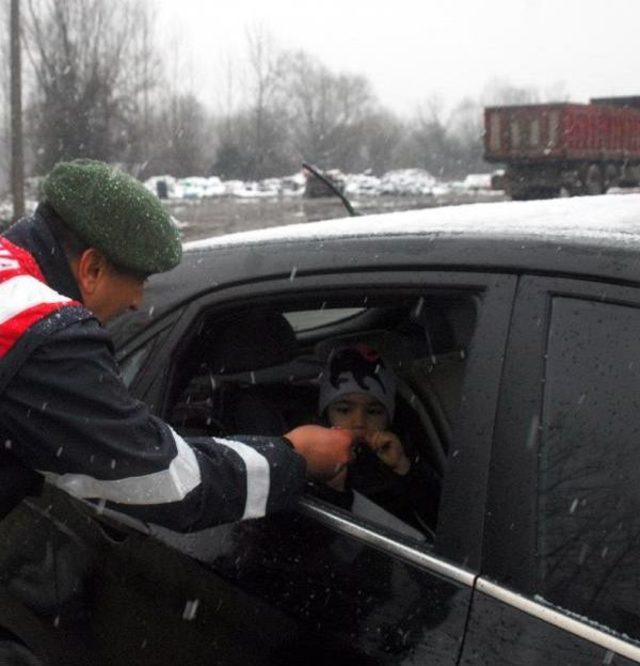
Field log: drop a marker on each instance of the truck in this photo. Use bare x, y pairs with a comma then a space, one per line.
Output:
565, 148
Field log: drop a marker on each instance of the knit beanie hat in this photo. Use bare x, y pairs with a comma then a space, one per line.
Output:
115, 213
357, 369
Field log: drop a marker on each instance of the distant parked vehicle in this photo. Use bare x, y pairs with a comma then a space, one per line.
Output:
407, 182
475, 182
578, 148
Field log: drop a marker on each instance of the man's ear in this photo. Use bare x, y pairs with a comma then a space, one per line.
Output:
88, 270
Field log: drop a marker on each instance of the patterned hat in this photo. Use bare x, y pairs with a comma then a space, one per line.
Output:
357, 369
115, 213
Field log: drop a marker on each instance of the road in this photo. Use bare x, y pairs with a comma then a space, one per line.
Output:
214, 217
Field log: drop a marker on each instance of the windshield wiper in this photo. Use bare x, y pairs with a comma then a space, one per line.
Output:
320, 176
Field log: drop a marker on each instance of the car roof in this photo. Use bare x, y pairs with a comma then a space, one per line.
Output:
593, 237
610, 221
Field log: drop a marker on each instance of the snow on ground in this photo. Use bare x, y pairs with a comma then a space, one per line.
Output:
478, 181
359, 184
400, 182
407, 182
397, 183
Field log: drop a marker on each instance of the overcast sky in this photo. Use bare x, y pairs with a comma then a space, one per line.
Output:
411, 50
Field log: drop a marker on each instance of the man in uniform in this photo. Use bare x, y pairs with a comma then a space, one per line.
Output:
66, 416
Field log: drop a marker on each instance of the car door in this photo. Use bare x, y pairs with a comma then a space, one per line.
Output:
560, 579
332, 587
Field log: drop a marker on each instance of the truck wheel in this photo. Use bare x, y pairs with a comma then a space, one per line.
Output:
593, 180
16, 654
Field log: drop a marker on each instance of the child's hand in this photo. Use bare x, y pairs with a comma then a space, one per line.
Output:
389, 449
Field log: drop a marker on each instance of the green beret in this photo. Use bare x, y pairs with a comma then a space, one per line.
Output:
115, 213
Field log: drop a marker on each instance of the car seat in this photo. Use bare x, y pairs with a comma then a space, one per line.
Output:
232, 349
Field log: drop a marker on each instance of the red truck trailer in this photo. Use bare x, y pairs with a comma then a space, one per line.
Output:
579, 148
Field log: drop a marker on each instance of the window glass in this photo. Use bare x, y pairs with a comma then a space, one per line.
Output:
589, 464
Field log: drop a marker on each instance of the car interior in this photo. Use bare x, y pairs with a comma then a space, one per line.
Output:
255, 368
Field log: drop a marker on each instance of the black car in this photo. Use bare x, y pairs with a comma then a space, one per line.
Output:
514, 330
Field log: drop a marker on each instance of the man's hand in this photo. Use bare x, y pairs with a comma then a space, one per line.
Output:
327, 450
389, 450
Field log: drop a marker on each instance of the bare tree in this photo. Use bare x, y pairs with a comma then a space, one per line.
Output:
79, 51
181, 145
428, 144
501, 91
382, 135
5, 126
263, 58
17, 154
229, 89
326, 112
139, 86
466, 128
225, 129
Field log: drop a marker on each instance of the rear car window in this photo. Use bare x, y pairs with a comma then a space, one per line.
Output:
589, 484
306, 320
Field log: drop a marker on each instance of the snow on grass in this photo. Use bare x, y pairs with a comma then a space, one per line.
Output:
400, 182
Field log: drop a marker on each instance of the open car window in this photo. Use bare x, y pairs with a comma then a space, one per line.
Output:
258, 370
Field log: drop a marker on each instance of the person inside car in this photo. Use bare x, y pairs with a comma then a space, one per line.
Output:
65, 414
358, 394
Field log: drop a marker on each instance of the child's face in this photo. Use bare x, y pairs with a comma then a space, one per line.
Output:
358, 412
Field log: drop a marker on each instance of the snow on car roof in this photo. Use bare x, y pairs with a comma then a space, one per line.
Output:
614, 219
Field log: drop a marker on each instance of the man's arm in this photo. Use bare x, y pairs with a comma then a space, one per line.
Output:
71, 418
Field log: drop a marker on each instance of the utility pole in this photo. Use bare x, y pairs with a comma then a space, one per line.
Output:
17, 154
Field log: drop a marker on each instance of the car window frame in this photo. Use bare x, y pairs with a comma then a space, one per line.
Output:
463, 523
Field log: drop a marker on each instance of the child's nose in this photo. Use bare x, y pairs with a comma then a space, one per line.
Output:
358, 420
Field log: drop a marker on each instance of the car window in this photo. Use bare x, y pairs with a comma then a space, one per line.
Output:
259, 370
588, 534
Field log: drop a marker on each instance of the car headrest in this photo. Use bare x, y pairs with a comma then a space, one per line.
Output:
247, 340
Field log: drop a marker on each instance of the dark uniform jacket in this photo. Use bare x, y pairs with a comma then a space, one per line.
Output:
67, 418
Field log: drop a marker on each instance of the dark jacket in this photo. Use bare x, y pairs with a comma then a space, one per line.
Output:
66, 416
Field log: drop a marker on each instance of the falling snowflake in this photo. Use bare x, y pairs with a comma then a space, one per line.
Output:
190, 609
